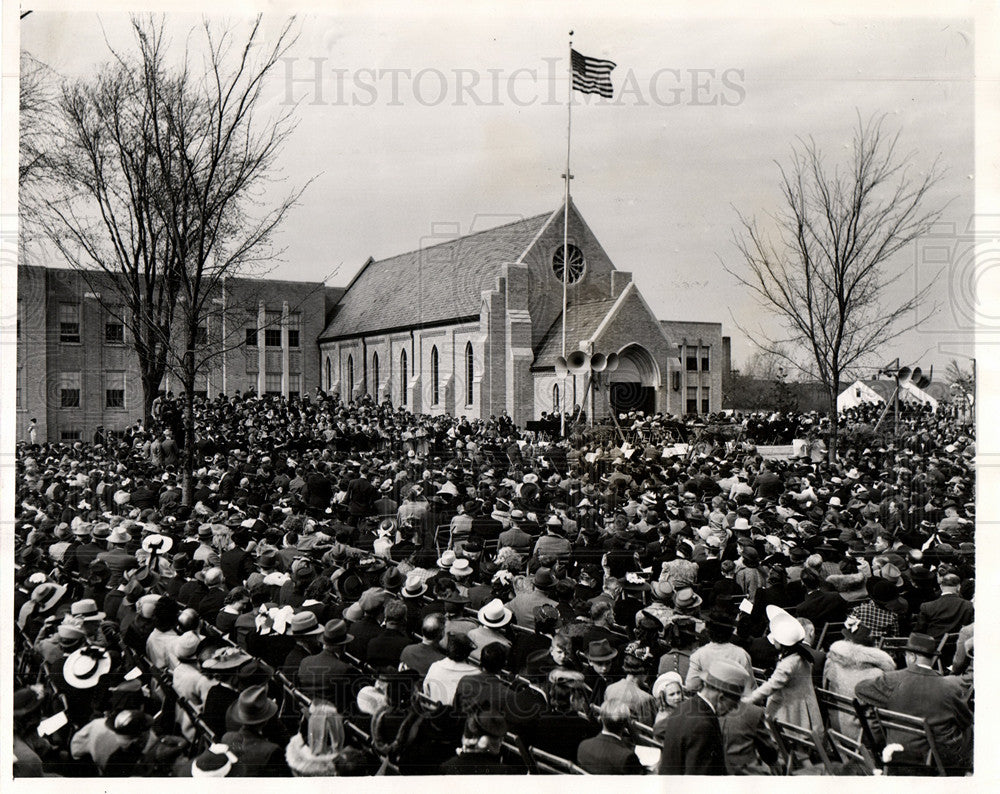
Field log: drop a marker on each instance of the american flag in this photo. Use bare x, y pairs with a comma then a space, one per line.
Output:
592, 75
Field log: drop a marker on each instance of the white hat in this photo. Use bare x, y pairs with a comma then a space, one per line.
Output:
495, 614
447, 559
84, 667
784, 629
461, 567
741, 523
162, 543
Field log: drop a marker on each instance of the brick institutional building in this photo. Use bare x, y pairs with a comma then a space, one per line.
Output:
470, 325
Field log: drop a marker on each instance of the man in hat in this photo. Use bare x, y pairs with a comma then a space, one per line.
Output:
922, 691
482, 738
492, 616
485, 691
611, 752
720, 626
516, 537
325, 675
114, 743
386, 647
692, 737
632, 690
305, 630
600, 656
523, 604
116, 557
256, 755
222, 668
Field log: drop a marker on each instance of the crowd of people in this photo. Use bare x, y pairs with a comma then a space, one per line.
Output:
350, 589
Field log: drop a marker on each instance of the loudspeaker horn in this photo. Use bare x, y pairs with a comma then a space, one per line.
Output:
915, 373
612, 363
562, 368
904, 373
578, 362
598, 362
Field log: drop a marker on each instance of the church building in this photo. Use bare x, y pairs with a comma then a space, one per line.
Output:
474, 326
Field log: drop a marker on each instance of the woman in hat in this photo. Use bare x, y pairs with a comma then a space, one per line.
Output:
566, 720
789, 692
848, 662
668, 693
222, 667
311, 752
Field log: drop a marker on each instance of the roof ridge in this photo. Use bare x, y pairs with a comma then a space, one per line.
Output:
460, 237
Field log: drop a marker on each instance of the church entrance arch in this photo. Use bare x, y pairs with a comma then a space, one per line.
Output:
632, 387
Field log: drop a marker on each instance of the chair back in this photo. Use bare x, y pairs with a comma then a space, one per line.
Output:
906, 726
548, 764
795, 743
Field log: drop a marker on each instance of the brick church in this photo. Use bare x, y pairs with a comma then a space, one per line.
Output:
473, 326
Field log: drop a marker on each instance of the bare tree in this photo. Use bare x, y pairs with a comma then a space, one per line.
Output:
36, 106
826, 273
169, 162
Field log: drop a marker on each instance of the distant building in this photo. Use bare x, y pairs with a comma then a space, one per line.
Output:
473, 326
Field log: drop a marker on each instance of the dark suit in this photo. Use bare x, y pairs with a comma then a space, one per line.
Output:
692, 741
325, 676
946, 614
257, 757
925, 693
823, 606
608, 755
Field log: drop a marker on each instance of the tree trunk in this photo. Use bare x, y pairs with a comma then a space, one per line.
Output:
834, 420
187, 489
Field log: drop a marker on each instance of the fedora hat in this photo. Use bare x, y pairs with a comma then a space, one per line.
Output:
447, 559
686, 598
880, 590
252, 707
158, 543
414, 587
86, 610
393, 579
70, 632
923, 644
119, 536
84, 667
661, 590
543, 579
226, 659
130, 722
47, 595
335, 633
600, 651
461, 567
304, 624
726, 677
495, 614
26, 701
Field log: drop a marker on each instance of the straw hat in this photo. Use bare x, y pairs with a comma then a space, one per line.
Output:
495, 614
84, 667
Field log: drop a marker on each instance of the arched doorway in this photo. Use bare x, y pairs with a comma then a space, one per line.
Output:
632, 387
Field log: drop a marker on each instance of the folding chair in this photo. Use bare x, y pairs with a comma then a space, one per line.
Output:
643, 734
852, 750
513, 747
946, 651
893, 727
830, 634
548, 764
794, 740
838, 712
439, 531
894, 647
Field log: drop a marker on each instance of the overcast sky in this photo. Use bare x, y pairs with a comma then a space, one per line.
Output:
421, 123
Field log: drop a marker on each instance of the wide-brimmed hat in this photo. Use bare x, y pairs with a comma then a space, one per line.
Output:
84, 667
783, 628
160, 543
543, 579
252, 707
335, 633
119, 536
371, 600
447, 559
495, 614
530, 477
70, 632
226, 659
923, 644
129, 722
86, 610
414, 587
726, 677
661, 590
686, 598
26, 701
47, 595
600, 651
304, 624
880, 590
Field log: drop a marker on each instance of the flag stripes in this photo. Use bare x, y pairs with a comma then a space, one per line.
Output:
592, 75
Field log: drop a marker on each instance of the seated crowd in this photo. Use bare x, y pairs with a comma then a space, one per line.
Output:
349, 589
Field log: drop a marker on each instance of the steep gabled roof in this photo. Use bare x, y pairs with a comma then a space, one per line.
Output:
583, 320
431, 285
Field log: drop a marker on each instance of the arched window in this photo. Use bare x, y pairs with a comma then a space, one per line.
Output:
470, 372
402, 377
435, 393
350, 377
329, 374
555, 399
375, 377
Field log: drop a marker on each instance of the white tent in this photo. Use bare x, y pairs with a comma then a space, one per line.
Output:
858, 393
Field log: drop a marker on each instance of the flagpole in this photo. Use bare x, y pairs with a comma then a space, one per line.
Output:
566, 177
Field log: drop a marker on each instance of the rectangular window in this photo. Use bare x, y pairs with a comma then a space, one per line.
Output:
114, 328
705, 360
691, 359
294, 385
692, 400
114, 389
20, 387
705, 402
201, 335
294, 321
251, 337
272, 383
69, 323
20, 311
70, 435
272, 337
69, 390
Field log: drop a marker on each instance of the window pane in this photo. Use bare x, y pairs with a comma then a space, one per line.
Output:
69, 390
114, 389
293, 337
294, 385
272, 383
705, 402
251, 337
704, 359
692, 399
691, 359
70, 435
114, 332
272, 337
69, 322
